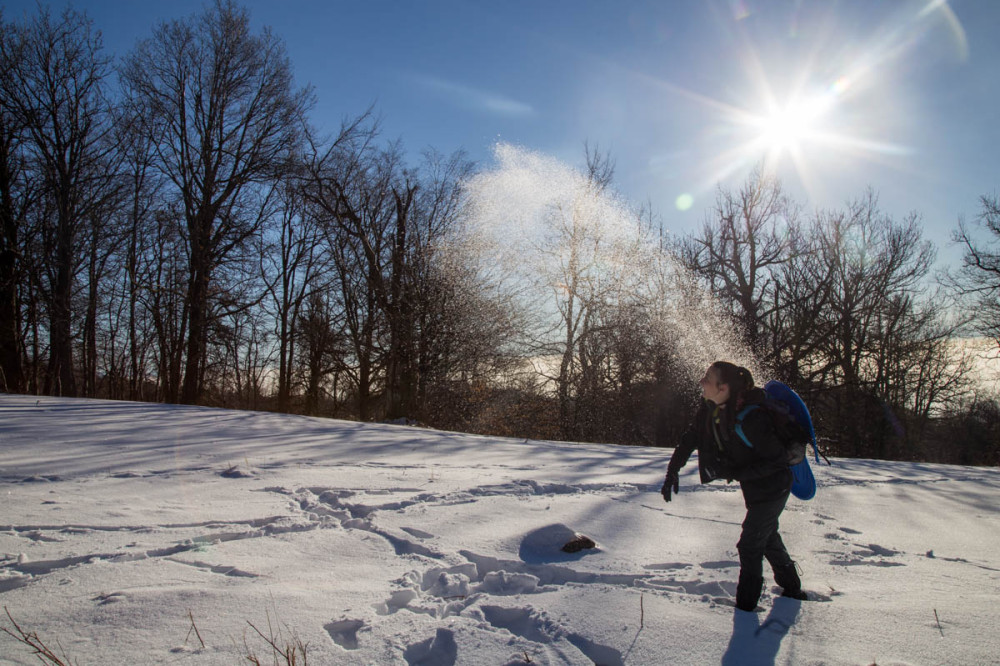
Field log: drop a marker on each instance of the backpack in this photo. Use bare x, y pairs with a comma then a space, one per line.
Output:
794, 428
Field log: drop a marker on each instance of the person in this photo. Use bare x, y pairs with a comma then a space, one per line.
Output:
762, 471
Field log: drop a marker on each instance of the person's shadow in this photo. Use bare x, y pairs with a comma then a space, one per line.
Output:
756, 643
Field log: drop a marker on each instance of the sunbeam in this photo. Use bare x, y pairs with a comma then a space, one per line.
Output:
833, 102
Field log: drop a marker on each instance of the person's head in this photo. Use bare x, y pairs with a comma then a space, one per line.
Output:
724, 382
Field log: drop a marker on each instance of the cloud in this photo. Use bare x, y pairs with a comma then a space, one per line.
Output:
477, 99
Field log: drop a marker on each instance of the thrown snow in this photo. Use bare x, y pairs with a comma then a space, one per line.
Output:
125, 526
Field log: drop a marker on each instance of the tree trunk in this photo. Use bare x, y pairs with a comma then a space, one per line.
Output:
11, 367
197, 302
10, 324
61, 379
90, 325
400, 379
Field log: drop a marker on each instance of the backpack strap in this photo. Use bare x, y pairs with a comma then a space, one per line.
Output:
739, 424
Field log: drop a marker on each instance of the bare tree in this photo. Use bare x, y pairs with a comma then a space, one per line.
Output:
578, 285
740, 249
469, 332
385, 223
221, 103
16, 193
53, 73
142, 187
432, 277
802, 289
917, 368
105, 233
240, 356
349, 186
363, 318
591, 264
877, 267
294, 265
979, 276
163, 274
873, 259
322, 350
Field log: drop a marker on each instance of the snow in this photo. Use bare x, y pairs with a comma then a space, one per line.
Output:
126, 526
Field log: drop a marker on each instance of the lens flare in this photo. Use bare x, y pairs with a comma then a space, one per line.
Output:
739, 9
684, 202
840, 86
808, 107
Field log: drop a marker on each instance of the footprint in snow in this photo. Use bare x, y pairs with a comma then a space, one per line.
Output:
881, 551
38, 535
345, 632
222, 569
235, 472
105, 599
538, 627
668, 566
441, 650
698, 588
420, 534
41, 479
863, 555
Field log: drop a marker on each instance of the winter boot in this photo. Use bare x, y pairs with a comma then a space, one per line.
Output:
795, 594
748, 592
787, 577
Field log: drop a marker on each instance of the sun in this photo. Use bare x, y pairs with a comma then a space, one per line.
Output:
789, 127
830, 106
798, 130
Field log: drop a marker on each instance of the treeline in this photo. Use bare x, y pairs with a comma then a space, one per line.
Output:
174, 228
840, 304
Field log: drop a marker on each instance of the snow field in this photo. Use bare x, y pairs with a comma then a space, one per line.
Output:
377, 544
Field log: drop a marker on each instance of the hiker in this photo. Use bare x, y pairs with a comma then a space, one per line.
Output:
762, 471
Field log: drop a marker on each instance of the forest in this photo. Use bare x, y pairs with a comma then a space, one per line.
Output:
175, 228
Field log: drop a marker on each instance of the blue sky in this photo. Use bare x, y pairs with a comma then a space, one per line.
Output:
899, 95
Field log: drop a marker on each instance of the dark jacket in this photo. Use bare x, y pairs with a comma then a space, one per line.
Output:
762, 470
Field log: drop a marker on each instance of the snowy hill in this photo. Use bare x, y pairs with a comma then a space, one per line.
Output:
127, 526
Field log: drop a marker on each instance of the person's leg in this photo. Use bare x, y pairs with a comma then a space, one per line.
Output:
776, 553
748, 591
781, 563
760, 524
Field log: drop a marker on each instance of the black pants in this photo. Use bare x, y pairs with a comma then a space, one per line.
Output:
760, 539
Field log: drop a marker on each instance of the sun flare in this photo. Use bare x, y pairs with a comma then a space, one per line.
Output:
782, 130
791, 127
825, 109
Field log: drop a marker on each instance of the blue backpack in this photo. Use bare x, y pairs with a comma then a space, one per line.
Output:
783, 401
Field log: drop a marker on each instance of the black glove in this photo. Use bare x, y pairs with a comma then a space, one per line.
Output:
671, 481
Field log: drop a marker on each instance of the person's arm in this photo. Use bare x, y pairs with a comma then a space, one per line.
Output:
683, 451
